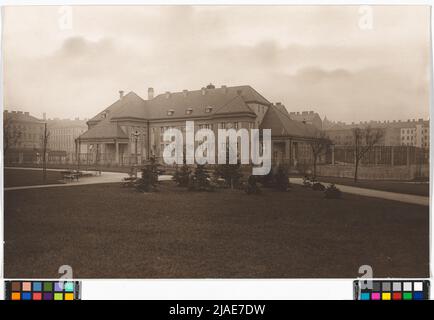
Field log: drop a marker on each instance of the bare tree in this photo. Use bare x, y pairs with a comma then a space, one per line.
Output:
10, 134
44, 152
319, 146
364, 140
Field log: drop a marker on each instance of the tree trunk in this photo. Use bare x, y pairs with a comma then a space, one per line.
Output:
314, 167
44, 154
356, 171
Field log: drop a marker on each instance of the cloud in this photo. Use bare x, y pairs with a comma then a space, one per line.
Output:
306, 57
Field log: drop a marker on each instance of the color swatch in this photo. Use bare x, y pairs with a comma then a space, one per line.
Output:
391, 289
42, 290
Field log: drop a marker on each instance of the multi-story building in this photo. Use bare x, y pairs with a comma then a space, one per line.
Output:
23, 136
133, 127
63, 133
415, 134
309, 117
395, 133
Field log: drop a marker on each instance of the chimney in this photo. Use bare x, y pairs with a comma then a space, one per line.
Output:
203, 91
121, 94
225, 89
167, 94
150, 93
44, 116
185, 93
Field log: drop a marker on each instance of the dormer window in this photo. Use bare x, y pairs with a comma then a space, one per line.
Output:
189, 111
104, 115
208, 109
170, 112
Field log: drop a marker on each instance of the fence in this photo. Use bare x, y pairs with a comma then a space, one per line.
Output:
379, 155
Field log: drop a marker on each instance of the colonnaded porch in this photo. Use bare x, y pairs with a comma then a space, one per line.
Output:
114, 153
292, 152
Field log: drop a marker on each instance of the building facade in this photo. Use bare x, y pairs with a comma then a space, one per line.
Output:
23, 136
131, 129
309, 117
63, 133
395, 133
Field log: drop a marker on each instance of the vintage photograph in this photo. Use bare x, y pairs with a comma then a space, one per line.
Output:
216, 141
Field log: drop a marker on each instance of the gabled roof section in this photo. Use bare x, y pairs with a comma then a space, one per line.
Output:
131, 104
282, 125
104, 130
236, 105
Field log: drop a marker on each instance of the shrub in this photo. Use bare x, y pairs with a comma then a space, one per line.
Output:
332, 192
148, 181
200, 180
317, 186
281, 179
267, 180
231, 173
252, 187
182, 176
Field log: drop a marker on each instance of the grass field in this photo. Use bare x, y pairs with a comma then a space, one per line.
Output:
407, 187
106, 231
18, 178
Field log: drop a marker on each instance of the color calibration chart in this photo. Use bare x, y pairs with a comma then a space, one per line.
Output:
42, 290
391, 289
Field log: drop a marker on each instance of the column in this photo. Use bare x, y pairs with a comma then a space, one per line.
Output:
392, 159
117, 153
333, 154
288, 152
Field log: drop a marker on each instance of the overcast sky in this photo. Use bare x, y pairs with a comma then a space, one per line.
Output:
309, 58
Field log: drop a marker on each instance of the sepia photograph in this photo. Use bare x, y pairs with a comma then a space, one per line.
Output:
208, 141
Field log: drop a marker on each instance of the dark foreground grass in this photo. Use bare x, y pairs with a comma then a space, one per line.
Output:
406, 187
18, 178
106, 231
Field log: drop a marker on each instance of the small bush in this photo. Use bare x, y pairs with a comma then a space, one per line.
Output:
317, 186
148, 181
252, 187
332, 192
182, 176
200, 180
267, 180
231, 173
281, 179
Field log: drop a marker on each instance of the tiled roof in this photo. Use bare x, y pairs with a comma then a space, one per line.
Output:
201, 103
230, 100
282, 125
104, 130
130, 104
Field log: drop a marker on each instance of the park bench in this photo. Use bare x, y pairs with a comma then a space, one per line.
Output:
70, 175
95, 170
131, 179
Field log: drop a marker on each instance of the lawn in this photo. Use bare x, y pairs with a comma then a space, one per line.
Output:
106, 231
18, 178
407, 187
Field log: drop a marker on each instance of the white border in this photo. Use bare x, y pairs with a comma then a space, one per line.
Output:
193, 289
